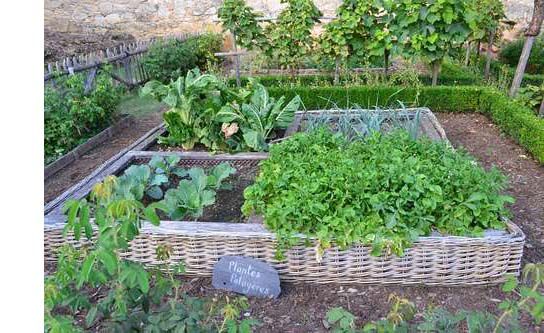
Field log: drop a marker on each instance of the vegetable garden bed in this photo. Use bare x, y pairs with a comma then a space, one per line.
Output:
433, 260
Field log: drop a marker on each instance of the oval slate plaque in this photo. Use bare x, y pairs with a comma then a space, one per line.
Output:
246, 276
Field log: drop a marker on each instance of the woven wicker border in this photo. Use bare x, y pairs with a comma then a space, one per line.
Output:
446, 261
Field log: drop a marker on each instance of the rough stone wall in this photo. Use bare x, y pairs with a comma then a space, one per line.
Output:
145, 18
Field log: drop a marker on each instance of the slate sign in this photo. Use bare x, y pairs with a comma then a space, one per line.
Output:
246, 276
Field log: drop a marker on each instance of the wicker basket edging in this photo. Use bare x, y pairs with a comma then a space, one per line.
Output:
446, 261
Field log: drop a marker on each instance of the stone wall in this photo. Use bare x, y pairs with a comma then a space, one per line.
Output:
146, 18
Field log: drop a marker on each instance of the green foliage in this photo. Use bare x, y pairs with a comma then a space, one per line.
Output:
194, 101
71, 116
510, 53
256, 118
204, 110
385, 193
169, 59
531, 96
339, 320
432, 29
240, 19
290, 37
195, 191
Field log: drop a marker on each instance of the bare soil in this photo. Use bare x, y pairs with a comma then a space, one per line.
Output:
60, 45
79, 169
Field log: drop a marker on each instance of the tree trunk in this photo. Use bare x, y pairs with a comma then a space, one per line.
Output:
541, 110
522, 63
478, 48
488, 54
337, 70
467, 55
436, 68
386, 62
532, 31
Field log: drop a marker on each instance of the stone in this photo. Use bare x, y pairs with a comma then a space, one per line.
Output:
246, 276
112, 19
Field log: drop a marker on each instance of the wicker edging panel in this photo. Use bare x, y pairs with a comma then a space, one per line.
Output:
445, 261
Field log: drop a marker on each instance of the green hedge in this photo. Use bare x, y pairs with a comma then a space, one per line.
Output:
327, 79
514, 119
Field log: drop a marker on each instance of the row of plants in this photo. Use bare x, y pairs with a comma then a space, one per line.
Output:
525, 299
377, 29
205, 111
514, 119
72, 115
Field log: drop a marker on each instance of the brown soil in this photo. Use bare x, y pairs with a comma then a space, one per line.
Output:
82, 167
60, 45
228, 201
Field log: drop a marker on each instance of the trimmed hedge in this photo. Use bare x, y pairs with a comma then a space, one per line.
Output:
517, 121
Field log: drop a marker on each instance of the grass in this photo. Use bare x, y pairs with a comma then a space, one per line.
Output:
137, 106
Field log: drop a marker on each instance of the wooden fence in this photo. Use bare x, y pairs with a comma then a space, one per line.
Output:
125, 59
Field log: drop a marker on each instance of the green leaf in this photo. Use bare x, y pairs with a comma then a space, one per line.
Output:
510, 284
86, 268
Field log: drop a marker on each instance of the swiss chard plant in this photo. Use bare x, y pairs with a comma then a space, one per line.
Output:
193, 101
249, 124
384, 192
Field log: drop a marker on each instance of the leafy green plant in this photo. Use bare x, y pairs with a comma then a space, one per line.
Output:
239, 18
531, 96
118, 295
339, 320
196, 192
510, 53
166, 60
256, 118
290, 37
71, 116
194, 101
385, 193
432, 29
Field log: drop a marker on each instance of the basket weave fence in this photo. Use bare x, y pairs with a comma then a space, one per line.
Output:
446, 261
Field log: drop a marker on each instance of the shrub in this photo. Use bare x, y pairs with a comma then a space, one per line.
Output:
385, 191
71, 117
510, 53
169, 59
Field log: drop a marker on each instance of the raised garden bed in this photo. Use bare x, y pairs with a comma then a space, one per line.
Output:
66, 159
435, 260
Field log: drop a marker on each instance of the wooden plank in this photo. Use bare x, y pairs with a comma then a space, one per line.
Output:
89, 80
201, 155
61, 198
